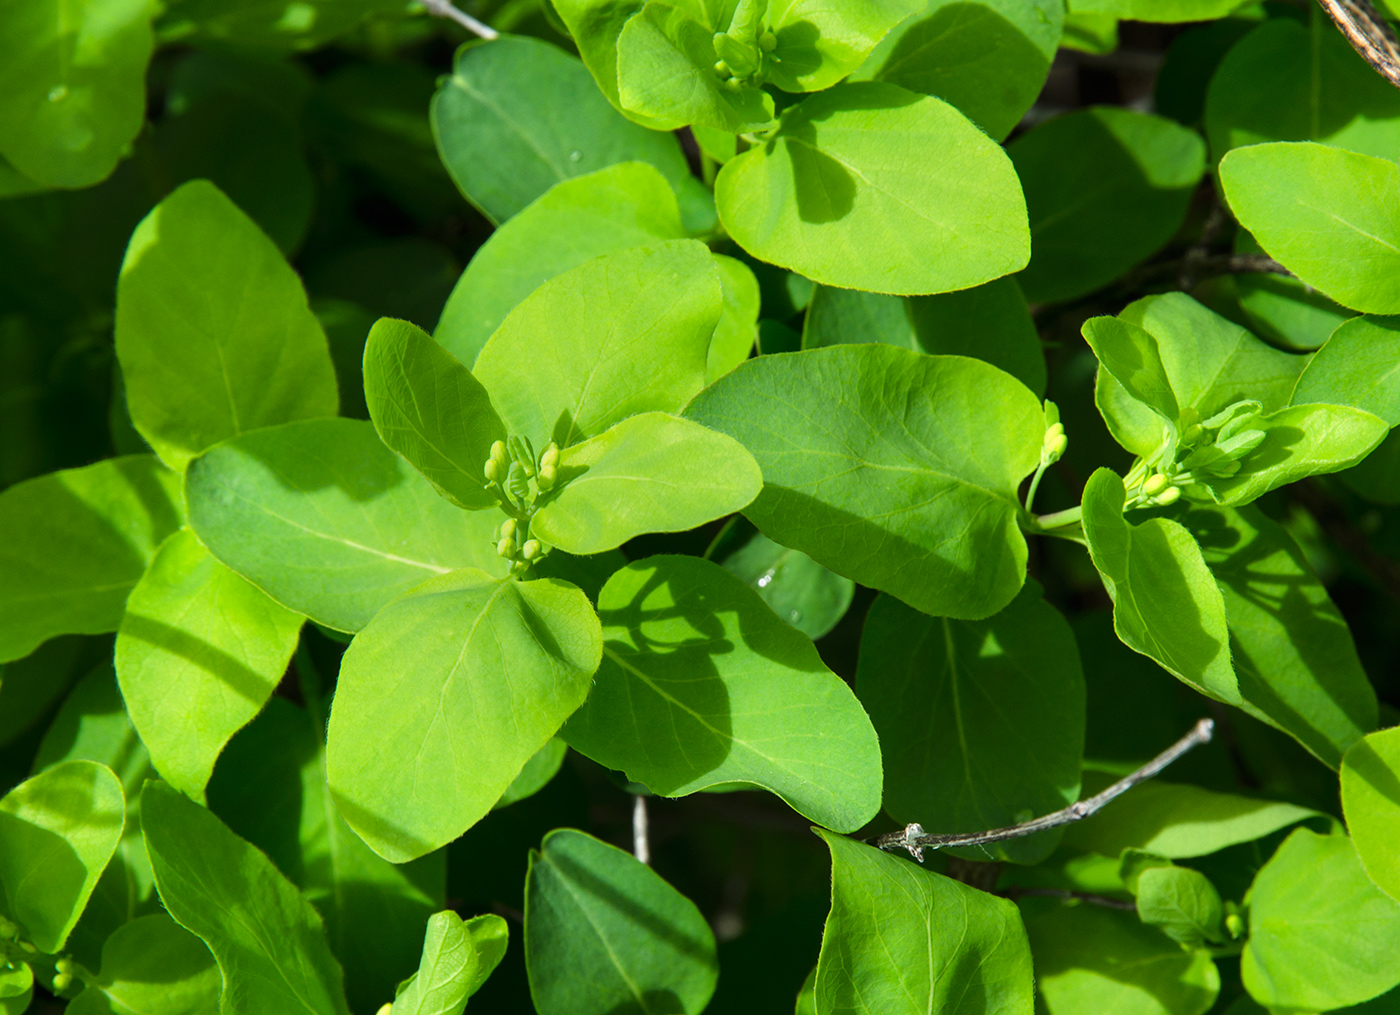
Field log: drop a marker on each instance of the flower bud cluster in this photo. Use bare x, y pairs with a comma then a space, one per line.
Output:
745, 49
519, 480
1196, 450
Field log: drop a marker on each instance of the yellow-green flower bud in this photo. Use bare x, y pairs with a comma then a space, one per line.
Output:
1171, 495
508, 528
385, 1008
64, 965
550, 456
493, 471
1234, 924
1155, 484
61, 982
506, 547
531, 549
1058, 447
768, 42
549, 475
722, 69
1191, 434
498, 452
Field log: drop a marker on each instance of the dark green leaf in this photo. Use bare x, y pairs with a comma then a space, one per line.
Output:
795, 587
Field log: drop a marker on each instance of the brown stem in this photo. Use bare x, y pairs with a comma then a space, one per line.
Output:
1369, 34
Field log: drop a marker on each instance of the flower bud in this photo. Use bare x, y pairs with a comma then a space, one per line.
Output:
549, 475
1170, 495
768, 42
1191, 434
64, 965
531, 549
1155, 484
498, 452
1234, 925
61, 982
385, 1008
508, 528
550, 456
493, 471
1058, 448
506, 547
722, 69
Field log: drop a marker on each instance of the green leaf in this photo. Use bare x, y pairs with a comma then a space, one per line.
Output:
595, 26
1350, 951
1285, 81
1090, 33
1166, 603
910, 488
1377, 477
445, 696
737, 331
795, 587
58, 830
1182, 903
199, 652
1293, 654
1282, 309
1332, 217
1164, 11
666, 73
1358, 366
624, 333
1116, 202
1089, 959
702, 685
807, 995
990, 322
80, 540
536, 774
270, 788
819, 43
429, 408
16, 988
73, 86
1371, 803
649, 473
451, 968
271, 26
832, 194
152, 966
577, 219
30, 687
328, 521
214, 339
904, 941
981, 723
518, 115
989, 58
605, 935
267, 939
1180, 821
1130, 355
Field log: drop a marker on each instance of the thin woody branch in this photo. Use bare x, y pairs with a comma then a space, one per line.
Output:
1369, 34
916, 840
445, 9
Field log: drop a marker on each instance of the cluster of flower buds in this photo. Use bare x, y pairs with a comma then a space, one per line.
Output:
1159, 491
1055, 443
743, 48
519, 479
521, 555
63, 975
1221, 443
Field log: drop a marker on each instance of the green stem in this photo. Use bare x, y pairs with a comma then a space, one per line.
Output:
1035, 484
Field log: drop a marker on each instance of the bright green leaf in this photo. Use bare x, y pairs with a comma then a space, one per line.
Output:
266, 937
1332, 217
701, 685
328, 521
820, 43
1168, 11
1130, 355
72, 86
214, 339
904, 941
1371, 802
981, 723
1113, 204
429, 408
624, 333
58, 830
445, 696
649, 473
833, 193
79, 541
605, 935
1166, 604
795, 587
1348, 949
737, 330
153, 966
910, 488
1358, 366
199, 652
1182, 903
450, 969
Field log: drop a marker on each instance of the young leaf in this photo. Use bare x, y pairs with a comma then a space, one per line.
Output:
1371, 803
832, 193
737, 330
1119, 198
605, 934
429, 408
624, 333
1180, 821
1358, 366
1332, 217
518, 115
1089, 959
1130, 355
72, 89
595, 26
451, 968
817, 43
1350, 951
1182, 903
910, 488
1293, 655
981, 723
701, 685
88, 535
198, 653
267, 939
577, 219
445, 696
328, 521
58, 830
1285, 81
154, 966
270, 789
989, 57
214, 339
904, 941
1166, 604
795, 587
649, 473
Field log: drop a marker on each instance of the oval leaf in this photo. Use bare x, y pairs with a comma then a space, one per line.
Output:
1371, 802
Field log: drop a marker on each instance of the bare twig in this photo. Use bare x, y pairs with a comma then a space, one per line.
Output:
1369, 34
1107, 901
916, 840
445, 9
641, 847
